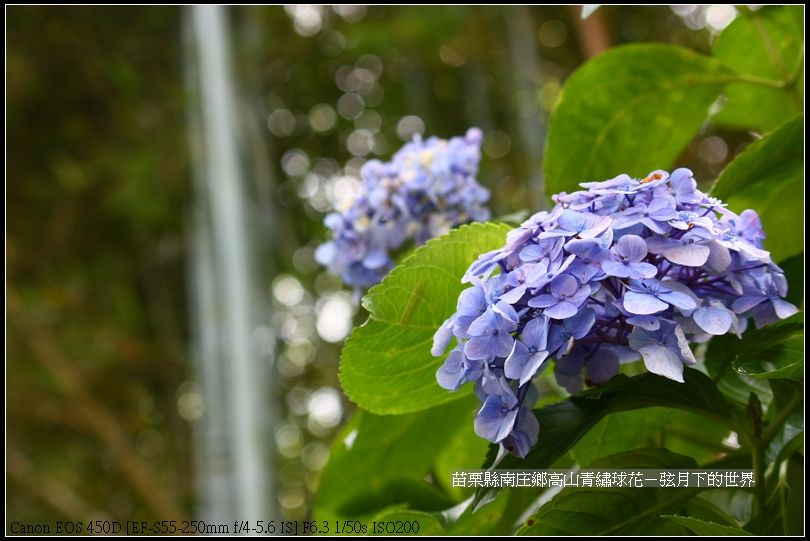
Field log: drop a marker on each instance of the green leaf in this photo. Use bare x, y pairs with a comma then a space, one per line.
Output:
694, 435
683, 432
495, 519
775, 351
701, 527
462, 452
630, 110
386, 366
703, 509
621, 431
767, 46
380, 460
397, 521
734, 386
615, 511
784, 511
565, 423
769, 177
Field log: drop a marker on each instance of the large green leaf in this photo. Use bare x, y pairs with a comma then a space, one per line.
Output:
767, 46
630, 110
769, 177
386, 366
381, 460
701, 527
621, 431
615, 511
462, 452
563, 424
687, 433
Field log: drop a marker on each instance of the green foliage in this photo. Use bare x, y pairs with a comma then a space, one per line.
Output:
615, 511
702, 527
386, 366
769, 177
775, 351
381, 460
563, 424
621, 431
766, 46
631, 110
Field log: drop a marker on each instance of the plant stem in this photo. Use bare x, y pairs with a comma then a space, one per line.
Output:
780, 418
760, 493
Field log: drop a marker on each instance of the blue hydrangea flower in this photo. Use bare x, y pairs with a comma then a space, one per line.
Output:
644, 297
528, 352
665, 351
625, 270
428, 188
627, 259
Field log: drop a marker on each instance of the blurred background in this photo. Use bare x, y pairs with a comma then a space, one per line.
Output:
172, 345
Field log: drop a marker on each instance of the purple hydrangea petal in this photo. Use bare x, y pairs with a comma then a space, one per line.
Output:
495, 419
562, 310
442, 337
714, 318
451, 374
649, 323
602, 366
524, 434
783, 309
664, 351
643, 303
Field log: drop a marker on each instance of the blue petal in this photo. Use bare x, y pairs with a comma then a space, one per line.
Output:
678, 299
524, 435
580, 324
631, 247
515, 363
689, 255
602, 367
662, 361
615, 268
649, 323
480, 348
450, 375
642, 303
493, 421
536, 332
746, 302
472, 301
561, 310
442, 338
783, 309
713, 320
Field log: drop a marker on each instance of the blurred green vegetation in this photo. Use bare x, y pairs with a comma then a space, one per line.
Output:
98, 196
97, 183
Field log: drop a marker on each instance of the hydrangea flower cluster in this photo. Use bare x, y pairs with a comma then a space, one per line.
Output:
428, 188
627, 268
